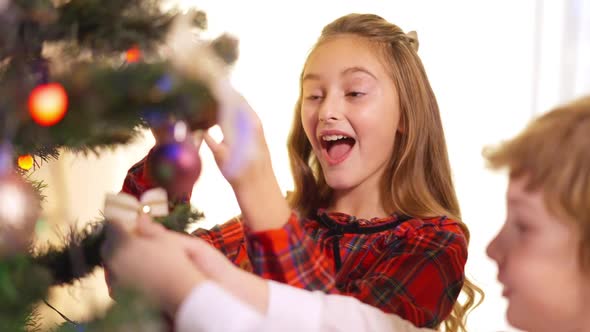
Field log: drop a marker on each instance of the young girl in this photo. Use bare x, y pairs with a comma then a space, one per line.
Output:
374, 213
542, 252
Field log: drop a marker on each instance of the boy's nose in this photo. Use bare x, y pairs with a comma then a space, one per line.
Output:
493, 250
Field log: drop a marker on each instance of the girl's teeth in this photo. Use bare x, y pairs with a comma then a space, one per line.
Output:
332, 137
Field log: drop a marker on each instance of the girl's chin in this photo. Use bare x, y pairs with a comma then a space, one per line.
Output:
338, 184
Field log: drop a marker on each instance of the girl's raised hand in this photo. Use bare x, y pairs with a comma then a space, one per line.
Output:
244, 160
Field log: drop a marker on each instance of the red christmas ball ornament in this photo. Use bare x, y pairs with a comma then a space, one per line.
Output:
133, 54
48, 104
174, 163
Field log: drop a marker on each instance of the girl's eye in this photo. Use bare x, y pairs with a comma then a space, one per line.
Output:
355, 94
313, 97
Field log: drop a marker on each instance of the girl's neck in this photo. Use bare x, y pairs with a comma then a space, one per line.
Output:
364, 204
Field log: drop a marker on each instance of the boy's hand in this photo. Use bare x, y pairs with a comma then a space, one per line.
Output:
156, 266
214, 265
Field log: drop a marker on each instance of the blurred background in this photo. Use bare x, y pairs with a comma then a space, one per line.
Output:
493, 65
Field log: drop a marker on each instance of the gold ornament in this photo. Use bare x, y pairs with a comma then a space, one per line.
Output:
124, 209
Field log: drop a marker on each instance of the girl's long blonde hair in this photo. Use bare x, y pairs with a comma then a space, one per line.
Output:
418, 179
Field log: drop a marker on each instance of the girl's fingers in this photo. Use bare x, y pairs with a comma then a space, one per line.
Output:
198, 138
219, 150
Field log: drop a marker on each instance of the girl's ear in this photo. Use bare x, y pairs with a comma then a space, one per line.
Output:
401, 126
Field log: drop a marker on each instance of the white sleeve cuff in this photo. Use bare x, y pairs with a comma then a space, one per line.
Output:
293, 309
209, 308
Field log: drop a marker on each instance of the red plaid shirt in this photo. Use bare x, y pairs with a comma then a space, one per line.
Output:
402, 265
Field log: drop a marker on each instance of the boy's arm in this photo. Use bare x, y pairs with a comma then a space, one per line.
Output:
418, 276
288, 309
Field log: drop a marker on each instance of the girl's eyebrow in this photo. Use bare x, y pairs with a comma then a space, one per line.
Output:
357, 69
347, 71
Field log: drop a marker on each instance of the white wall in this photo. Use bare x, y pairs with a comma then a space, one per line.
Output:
493, 64
563, 53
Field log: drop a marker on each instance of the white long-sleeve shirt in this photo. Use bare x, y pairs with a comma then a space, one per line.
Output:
209, 308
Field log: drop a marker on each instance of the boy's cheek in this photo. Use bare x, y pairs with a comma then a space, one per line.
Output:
541, 291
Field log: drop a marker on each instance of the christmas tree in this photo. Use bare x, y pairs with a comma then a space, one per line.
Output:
85, 76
